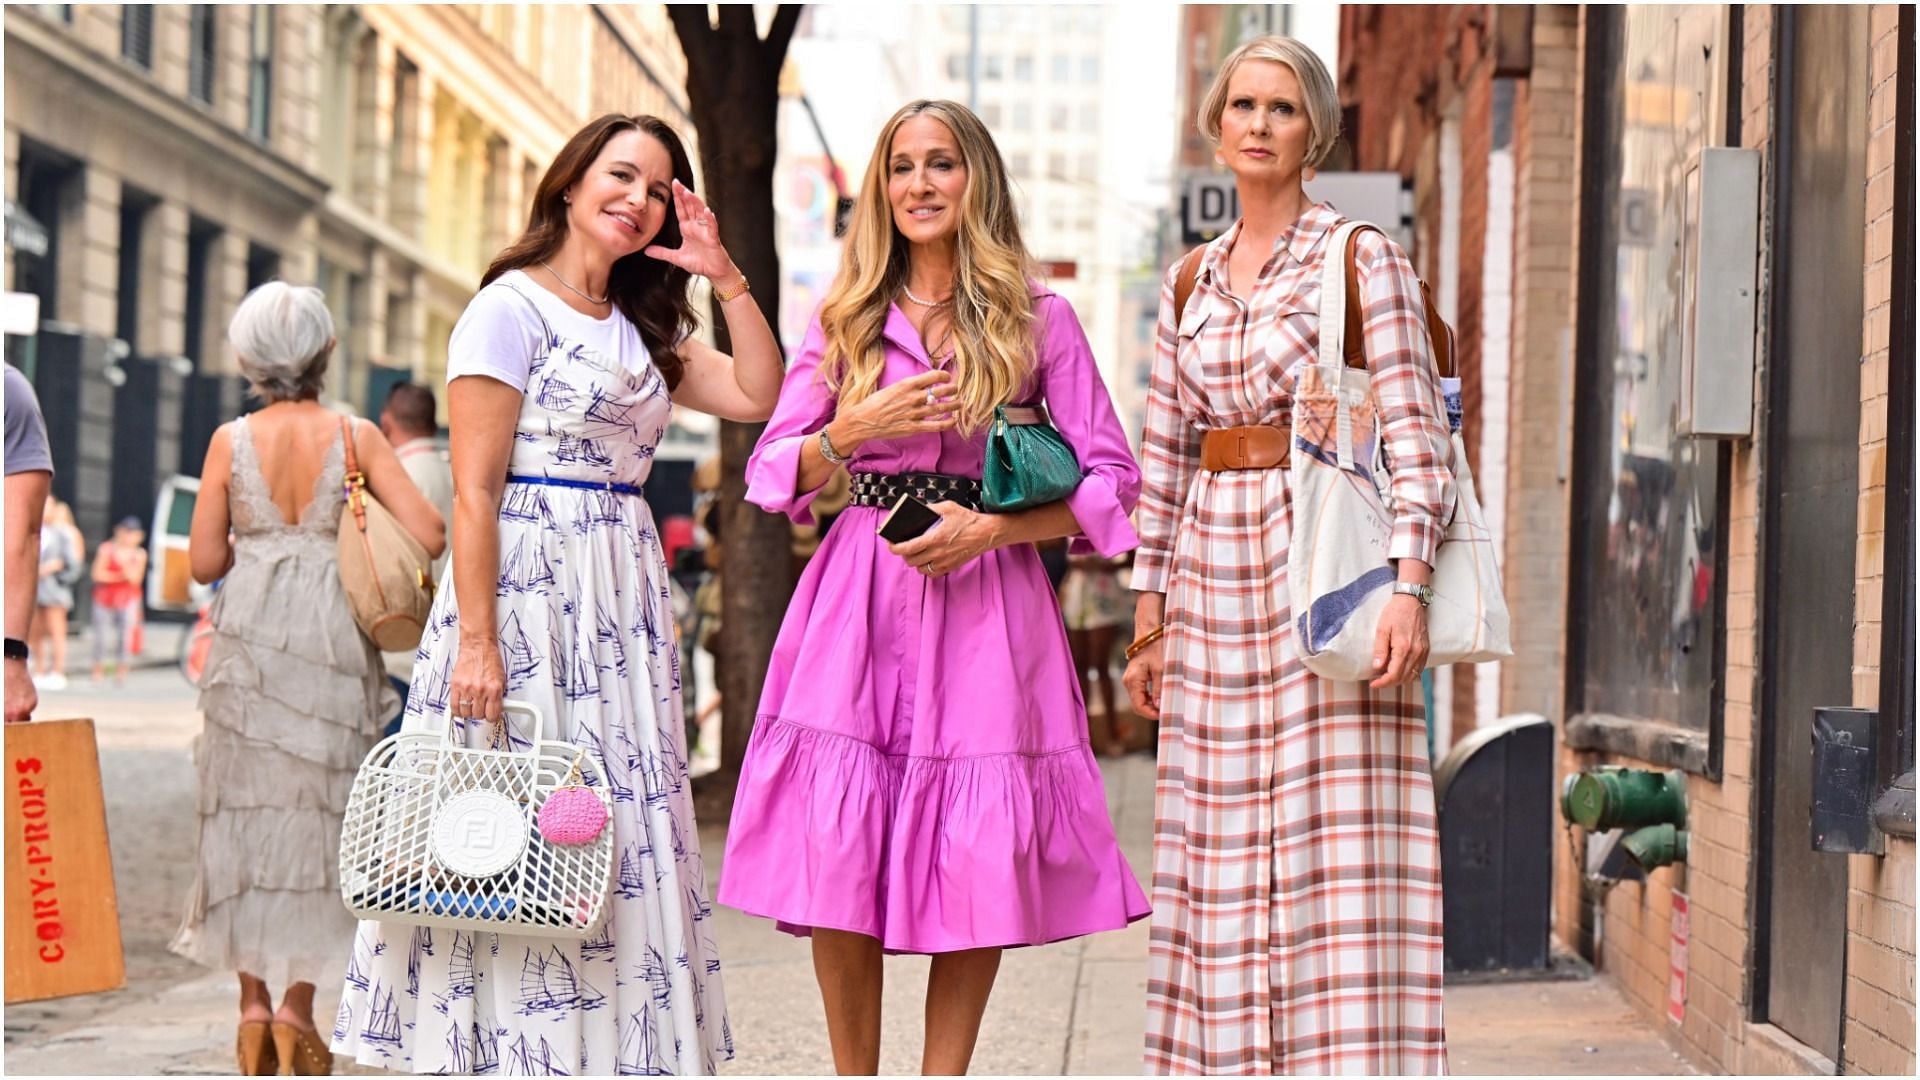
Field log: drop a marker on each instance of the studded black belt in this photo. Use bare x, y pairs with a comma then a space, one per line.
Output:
883, 490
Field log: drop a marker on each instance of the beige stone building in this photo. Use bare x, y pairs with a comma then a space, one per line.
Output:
1680, 602
161, 160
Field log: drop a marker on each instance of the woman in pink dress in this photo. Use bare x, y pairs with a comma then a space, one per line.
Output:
919, 778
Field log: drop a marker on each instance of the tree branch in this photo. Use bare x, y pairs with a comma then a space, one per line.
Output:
692, 23
785, 18
736, 20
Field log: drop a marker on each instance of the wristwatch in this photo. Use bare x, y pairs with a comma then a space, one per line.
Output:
16, 649
1422, 593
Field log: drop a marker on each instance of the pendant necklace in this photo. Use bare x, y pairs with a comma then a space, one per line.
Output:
570, 288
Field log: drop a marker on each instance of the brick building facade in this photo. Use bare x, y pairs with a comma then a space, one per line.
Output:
1669, 603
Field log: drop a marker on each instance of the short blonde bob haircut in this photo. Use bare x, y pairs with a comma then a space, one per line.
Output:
1323, 100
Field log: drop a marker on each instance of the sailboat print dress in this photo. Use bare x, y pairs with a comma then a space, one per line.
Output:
586, 630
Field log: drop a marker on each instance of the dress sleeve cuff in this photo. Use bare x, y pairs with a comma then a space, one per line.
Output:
1150, 574
1104, 528
1414, 538
773, 479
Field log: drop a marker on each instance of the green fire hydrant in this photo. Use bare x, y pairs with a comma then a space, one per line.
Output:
1615, 797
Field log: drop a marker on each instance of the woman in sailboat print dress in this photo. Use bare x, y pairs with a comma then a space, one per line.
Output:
562, 373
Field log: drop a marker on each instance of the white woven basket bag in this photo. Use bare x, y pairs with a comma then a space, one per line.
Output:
438, 834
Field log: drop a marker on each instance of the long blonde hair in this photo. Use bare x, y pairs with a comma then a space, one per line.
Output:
993, 330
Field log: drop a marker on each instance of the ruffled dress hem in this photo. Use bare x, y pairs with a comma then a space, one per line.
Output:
925, 854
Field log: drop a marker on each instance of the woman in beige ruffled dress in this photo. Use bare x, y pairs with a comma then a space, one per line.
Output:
293, 693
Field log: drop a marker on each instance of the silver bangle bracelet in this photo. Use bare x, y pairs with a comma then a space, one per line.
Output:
827, 451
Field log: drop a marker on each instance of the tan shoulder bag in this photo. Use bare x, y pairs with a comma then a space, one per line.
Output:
386, 572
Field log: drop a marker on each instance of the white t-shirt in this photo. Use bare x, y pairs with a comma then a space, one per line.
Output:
499, 333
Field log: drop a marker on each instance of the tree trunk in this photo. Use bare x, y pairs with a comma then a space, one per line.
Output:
733, 78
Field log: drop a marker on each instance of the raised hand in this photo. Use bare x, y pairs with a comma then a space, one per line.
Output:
700, 251
912, 406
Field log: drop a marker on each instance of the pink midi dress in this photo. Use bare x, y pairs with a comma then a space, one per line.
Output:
919, 770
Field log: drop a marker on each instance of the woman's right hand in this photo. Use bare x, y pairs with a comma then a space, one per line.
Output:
914, 406
1142, 679
479, 686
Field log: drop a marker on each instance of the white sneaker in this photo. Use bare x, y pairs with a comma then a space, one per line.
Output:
53, 680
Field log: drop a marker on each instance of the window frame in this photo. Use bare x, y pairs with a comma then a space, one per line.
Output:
203, 52
1658, 740
136, 35
261, 22
1895, 738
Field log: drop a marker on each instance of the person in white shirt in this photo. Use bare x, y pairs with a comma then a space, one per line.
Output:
407, 420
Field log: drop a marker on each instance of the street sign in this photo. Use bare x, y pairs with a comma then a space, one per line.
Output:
20, 314
1209, 204
26, 235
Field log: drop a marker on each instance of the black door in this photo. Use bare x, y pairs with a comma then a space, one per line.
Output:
1811, 493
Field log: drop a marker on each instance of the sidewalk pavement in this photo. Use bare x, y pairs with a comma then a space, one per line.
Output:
1075, 1007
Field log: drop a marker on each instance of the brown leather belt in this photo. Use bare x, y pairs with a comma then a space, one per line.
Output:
1260, 446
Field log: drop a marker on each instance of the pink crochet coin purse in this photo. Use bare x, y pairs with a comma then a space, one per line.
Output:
573, 814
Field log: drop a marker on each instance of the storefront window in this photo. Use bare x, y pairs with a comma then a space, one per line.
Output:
1645, 633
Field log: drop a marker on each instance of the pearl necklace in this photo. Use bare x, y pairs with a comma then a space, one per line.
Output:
925, 303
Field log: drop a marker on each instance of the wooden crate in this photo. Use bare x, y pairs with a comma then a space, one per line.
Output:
63, 920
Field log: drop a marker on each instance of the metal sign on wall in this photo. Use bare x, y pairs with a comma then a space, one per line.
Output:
1209, 204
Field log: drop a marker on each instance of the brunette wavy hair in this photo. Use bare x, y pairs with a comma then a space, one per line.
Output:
650, 293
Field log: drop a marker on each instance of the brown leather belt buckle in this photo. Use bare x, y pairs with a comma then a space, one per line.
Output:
1259, 446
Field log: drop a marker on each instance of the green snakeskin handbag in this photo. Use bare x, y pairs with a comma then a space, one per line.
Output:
1028, 463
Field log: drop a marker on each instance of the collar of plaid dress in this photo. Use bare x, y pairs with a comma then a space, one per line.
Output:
588, 485
883, 490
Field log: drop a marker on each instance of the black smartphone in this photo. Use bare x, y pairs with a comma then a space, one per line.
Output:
909, 518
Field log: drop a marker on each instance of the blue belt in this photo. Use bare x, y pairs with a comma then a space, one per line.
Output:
587, 485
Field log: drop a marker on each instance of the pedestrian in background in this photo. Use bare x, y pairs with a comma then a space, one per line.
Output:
119, 594
293, 693
563, 372
1296, 870
919, 780
1095, 605
63, 554
407, 419
29, 473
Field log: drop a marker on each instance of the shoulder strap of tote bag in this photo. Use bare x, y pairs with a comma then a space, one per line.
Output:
1439, 335
1342, 342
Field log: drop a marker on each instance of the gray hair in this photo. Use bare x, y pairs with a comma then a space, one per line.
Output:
283, 335
1322, 99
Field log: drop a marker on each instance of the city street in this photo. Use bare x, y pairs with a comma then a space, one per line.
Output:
1072, 1008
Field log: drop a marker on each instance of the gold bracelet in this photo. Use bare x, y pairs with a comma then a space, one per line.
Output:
724, 296
1145, 640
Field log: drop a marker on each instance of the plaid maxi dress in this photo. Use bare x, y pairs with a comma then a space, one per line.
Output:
1296, 873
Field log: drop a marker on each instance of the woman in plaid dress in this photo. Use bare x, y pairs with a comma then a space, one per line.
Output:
1296, 878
